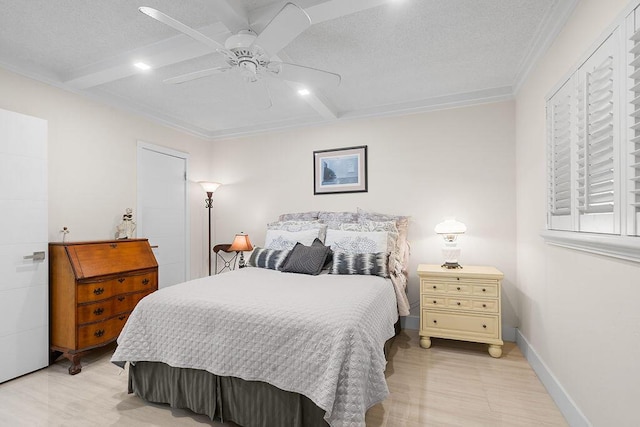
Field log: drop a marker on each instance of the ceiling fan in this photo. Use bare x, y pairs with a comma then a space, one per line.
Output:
250, 54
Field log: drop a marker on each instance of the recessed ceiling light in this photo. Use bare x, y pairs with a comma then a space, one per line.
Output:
303, 92
142, 66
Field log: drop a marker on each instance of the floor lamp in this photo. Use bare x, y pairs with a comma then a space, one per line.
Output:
210, 188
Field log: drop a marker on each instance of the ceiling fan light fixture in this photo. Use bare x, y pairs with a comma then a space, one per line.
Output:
142, 66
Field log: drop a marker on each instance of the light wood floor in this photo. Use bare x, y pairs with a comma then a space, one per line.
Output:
451, 384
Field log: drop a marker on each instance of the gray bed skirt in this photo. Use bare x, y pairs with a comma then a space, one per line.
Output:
246, 403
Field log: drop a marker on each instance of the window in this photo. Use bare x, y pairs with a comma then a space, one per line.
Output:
593, 149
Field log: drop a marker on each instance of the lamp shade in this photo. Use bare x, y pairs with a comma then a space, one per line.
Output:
241, 243
450, 226
210, 187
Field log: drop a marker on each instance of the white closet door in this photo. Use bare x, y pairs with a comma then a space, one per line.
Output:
162, 210
24, 295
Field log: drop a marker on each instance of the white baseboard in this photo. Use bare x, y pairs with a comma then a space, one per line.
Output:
567, 406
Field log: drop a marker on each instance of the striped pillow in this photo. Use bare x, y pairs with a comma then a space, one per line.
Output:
374, 264
267, 258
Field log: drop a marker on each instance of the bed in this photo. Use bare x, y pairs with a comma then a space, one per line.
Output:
266, 345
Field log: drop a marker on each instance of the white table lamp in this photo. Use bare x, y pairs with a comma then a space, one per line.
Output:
449, 230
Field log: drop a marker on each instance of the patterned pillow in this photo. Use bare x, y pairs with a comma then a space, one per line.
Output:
300, 226
395, 263
299, 216
402, 224
282, 239
307, 259
267, 258
374, 264
357, 241
334, 219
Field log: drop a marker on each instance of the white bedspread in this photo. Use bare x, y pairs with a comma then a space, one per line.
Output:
321, 336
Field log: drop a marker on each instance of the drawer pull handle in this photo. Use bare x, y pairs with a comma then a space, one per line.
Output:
435, 302
484, 305
113, 245
121, 279
435, 287
145, 282
122, 317
120, 299
458, 303
98, 311
99, 333
435, 321
458, 288
484, 290
98, 291
484, 326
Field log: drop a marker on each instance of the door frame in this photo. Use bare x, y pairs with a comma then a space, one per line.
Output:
142, 145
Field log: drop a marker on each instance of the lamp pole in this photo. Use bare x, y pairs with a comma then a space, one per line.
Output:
209, 205
210, 188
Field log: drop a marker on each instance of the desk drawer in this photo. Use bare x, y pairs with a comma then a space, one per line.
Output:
101, 310
105, 289
98, 333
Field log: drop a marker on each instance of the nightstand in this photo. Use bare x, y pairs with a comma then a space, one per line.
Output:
461, 304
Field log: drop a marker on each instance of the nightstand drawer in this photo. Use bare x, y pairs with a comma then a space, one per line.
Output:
459, 303
459, 289
490, 306
485, 289
427, 286
452, 324
431, 301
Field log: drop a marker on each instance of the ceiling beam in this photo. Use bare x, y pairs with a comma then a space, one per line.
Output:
166, 52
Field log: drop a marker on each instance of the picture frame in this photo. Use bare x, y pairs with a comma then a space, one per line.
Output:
340, 170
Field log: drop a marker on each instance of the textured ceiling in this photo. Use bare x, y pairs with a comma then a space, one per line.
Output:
393, 56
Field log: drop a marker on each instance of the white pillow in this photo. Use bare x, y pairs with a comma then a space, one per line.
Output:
357, 242
282, 239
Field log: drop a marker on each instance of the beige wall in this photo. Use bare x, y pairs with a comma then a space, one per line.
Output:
457, 162
578, 311
92, 161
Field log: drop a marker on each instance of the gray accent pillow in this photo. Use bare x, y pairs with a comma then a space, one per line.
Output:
267, 258
374, 264
307, 259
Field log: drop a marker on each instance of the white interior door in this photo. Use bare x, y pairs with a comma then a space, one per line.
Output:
163, 210
24, 289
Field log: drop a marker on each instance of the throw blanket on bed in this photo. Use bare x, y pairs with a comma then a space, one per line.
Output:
321, 336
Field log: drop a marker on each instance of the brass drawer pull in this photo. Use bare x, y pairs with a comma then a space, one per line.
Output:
120, 299
113, 245
98, 291
121, 279
122, 317
99, 333
98, 311
145, 282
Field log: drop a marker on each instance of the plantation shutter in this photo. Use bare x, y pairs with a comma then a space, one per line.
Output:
634, 142
597, 140
559, 113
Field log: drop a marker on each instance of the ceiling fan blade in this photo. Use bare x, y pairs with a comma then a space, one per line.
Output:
305, 75
283, 28
195, 75
258, 94
185, 29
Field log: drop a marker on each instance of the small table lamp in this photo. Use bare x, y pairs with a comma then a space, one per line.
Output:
240, 244
449, 230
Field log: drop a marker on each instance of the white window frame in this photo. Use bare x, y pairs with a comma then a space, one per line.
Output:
620, 238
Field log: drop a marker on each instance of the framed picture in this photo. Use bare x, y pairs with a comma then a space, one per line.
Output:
341, 170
